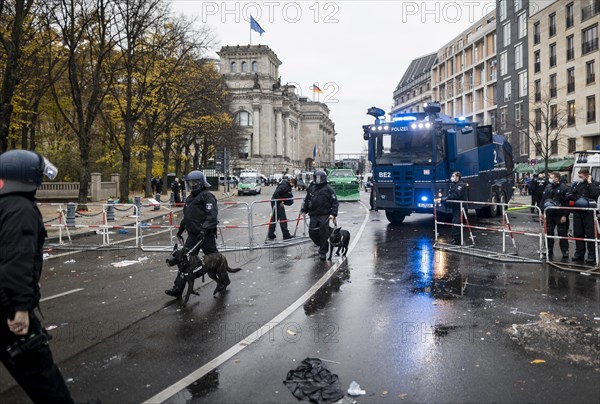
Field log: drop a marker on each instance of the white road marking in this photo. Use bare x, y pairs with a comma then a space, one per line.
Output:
264, 330
61, 295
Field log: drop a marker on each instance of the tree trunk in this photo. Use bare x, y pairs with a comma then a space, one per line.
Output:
186, 166
126, 164
166, 162
149, 164
84, 173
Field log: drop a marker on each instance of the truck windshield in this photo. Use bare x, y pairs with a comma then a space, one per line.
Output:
248, 180
407, 147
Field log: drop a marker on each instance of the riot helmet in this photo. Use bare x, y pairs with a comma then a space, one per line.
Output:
196, 181
320, 177
23, 170
288, 177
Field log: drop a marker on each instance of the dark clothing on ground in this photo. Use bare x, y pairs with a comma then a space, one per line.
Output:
320, 203
583, 221
283, 191
22, 236
556, 195
456, 192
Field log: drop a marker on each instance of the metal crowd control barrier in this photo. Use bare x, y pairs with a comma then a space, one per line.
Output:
103, 229
273, 219
60, 219
565, 266
505, 229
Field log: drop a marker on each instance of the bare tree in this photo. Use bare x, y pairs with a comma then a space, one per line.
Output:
546, 129
85, 30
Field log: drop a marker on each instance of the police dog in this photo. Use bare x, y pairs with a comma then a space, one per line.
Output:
339, 238
214, 265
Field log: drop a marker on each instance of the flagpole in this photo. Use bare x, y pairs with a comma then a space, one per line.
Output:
250, 32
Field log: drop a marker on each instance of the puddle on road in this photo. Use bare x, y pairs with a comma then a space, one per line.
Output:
320, 299
207, 384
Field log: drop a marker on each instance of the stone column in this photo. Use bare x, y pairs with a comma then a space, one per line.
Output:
255, 130
279, 131
287, 136
96, 186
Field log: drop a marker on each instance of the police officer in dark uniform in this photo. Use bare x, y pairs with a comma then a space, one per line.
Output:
537, 190
581, 193
555, 194
322, 206
456, 192
200, 220
22, 236
283, 191
176, 190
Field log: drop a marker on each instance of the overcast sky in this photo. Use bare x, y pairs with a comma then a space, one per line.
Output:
356, 51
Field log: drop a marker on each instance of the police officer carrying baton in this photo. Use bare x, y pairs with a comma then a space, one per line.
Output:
584, 194
555, 194
283, 191
199, 220
24, 349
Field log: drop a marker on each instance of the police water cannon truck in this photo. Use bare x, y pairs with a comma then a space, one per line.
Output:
414, 155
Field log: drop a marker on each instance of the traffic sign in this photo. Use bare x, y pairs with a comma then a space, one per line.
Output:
533, 162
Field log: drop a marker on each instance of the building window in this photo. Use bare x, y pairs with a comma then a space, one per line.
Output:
254, 67
537, 64
507, 90
518, 115
554, 147
502, 8
536, 33
538, 149
552, 25
519, 56
570, 80
538, 90
553, 55
591, 108
572, 145
553, 116
571, 113
233, 67
506, 34
522, 25
591, 10
503, 118
538, 120
503, 64
590, 72
569, 19
589, 40
524, 144
523, 84
553, 89
518, 5
570, 47
244, 67
244, 118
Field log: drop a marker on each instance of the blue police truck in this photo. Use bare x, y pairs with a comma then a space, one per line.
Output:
413, 156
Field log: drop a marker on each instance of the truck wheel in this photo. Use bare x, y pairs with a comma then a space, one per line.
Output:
239, 193
502, 200
394, 217
492, 210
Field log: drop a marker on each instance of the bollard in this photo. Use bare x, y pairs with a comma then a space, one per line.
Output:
157, 207
110, 211
71, 214
138, 203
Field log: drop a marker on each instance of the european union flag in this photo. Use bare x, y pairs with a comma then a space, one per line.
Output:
256, 26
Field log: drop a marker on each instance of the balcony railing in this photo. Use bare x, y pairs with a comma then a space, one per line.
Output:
570, 21
552, 61
553, 123
590, 11
552, 92
537, 67
570, 87
591, 116
538, 97
590, 79
536, 39
552, 30
571, 120
570, 54
589, 46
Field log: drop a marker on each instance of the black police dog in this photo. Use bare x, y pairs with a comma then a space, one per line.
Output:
214, 265
339, 238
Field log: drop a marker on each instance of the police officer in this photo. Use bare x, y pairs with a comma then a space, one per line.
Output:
555, 194
537, 189
456, 192
22, 236
322, 206
200, 220
581, 193
176, 190
283, 191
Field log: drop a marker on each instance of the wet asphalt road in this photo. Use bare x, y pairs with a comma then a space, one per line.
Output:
407, 322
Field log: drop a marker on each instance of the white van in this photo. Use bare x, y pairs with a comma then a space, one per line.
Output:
589, 159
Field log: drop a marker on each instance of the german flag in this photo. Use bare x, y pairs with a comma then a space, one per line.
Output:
316, 89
